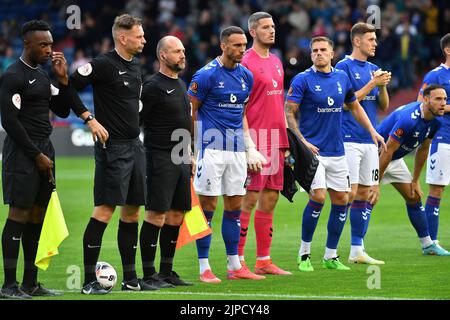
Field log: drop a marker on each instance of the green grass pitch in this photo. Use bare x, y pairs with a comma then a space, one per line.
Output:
407, 273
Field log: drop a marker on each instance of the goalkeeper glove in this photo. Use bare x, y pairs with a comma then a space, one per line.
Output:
255, 160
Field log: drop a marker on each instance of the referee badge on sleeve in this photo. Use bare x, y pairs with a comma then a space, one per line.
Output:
85, 70
54, 90
16, 100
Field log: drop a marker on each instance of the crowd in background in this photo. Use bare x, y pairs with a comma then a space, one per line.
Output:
408, 40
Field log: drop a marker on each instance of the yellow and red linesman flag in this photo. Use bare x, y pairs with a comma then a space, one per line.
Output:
54, 231
194, 224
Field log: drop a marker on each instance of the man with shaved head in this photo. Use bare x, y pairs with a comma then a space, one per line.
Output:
166, 112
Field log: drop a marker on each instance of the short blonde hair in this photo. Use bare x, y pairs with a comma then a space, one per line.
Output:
125, 21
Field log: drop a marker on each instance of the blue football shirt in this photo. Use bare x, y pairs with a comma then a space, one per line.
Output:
407, 126
359, 73
223, 93
440, 75
321, 97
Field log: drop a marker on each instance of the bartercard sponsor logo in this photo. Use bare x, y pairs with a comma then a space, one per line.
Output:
274, 92
329, 110
408, 149
231, 105
330, 101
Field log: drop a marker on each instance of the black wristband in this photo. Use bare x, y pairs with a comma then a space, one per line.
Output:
89, 118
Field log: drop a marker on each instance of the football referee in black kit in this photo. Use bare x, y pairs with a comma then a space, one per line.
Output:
166, 109
26, 96
120, 162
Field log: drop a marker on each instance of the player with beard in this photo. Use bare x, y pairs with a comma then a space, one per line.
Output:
166, 112
219, 92
438, 167
412, 128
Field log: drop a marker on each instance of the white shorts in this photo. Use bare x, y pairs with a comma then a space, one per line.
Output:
362, 161
438, 165
220, 173
332, 173
397, 172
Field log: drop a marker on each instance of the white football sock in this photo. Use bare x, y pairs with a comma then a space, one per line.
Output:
305, 248
263, 258
426, 241
330, 253
356, 251
233, 262
204, 264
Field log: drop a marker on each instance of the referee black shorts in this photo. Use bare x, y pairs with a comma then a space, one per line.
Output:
23, 184
168, 184
120, 173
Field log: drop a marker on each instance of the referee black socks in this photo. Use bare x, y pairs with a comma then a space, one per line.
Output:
30, 239
168, 242
92, 241
149, 243
11, 236
127, 238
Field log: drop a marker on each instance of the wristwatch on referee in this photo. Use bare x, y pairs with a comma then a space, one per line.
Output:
88, 118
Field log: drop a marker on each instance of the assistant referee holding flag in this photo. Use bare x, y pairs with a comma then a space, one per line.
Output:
166, 116
120, 163
26, 97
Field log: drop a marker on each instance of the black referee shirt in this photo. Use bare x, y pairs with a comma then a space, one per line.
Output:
26, 96
166, 107
117, 87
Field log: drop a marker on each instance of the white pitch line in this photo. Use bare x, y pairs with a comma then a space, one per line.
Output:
253, 295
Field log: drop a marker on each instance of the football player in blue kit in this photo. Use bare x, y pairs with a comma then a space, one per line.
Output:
438, 166
408, 128
318, 95
369, 83
218, 93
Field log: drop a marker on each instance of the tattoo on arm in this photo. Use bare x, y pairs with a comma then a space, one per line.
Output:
291, 110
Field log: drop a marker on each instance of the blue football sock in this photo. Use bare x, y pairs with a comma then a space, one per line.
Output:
336, 222
309, 221
231, 228
432, 211
369, 209
204, 243
358, 218
416, 214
